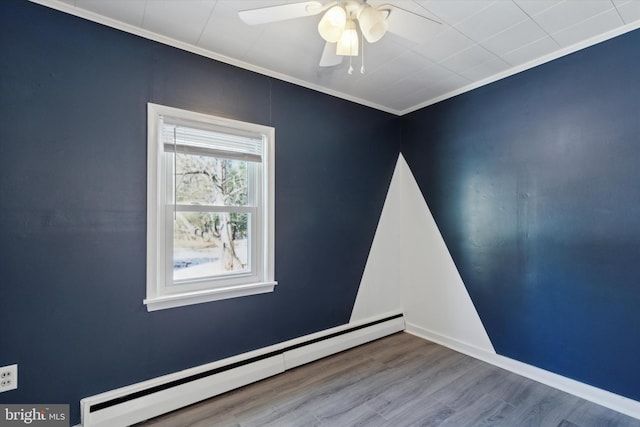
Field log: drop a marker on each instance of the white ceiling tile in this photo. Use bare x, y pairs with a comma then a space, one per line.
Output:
427, 76
486, 69
394, 103
630, 11
408, 5
226, 34
435, 89
384, 86
512, 38
467, 59
400, 90
377, 86
454, 11
589, 28
380, 54
402, 66
336, 78
127, 11
366, 86
492, 20
174, 19
400, 44
534, 7
451, 83
531, 51
444, 45
570, 12
252, 4
290, 42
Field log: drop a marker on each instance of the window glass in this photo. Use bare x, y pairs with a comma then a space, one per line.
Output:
209, 244
213, 181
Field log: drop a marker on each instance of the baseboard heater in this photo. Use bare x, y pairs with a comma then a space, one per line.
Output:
148, 399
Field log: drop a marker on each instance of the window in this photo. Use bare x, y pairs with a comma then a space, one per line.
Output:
210, 186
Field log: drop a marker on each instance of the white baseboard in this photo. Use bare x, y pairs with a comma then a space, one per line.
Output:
149, 406
138, 402
325, 347
601, 397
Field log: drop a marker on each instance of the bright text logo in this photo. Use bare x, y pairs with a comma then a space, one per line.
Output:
34, 415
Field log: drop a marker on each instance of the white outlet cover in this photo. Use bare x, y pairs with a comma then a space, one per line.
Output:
8, 378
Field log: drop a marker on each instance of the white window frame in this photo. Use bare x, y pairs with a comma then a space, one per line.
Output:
162, 293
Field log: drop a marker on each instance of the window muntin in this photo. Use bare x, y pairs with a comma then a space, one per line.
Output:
214, 199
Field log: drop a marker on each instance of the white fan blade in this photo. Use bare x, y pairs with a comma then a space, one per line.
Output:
329, 57
410, 25
280, 13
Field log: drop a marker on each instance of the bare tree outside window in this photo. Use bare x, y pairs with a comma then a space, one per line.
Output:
210, 242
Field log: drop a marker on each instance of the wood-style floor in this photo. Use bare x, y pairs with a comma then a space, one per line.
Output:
400, 380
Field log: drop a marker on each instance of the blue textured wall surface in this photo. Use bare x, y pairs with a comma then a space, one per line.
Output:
534, 182
73, 98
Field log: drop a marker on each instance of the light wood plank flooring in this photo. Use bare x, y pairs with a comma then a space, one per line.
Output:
400, 380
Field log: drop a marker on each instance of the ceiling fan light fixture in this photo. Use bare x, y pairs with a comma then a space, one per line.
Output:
348, 43
332, 24
373, 23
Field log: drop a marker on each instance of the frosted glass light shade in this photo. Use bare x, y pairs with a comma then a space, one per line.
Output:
332, 24
373, 23
348, 43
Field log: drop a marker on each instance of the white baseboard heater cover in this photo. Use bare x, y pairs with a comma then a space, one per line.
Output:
148, 399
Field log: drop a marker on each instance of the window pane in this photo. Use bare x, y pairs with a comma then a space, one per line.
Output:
204, 180
209, 244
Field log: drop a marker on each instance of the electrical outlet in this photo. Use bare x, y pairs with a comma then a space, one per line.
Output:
8, 378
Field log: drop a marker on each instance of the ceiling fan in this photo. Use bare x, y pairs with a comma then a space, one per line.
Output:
338, 24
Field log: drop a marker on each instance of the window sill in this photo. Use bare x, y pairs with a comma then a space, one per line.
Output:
189, 298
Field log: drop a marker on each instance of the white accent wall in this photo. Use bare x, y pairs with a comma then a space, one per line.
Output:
410, 269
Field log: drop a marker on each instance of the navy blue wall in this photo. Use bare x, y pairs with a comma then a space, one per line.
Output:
534, 182
73, 100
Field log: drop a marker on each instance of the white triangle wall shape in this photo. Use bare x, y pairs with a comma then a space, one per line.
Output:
409, 269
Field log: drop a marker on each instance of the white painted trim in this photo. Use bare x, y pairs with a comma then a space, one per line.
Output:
197, 297
596, 395
164, 401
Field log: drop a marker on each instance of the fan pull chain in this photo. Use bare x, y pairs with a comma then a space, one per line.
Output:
362, 44
351, 56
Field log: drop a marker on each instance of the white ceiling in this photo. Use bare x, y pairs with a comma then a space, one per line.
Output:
479, 41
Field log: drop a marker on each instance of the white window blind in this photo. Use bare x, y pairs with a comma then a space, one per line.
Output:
222, 143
